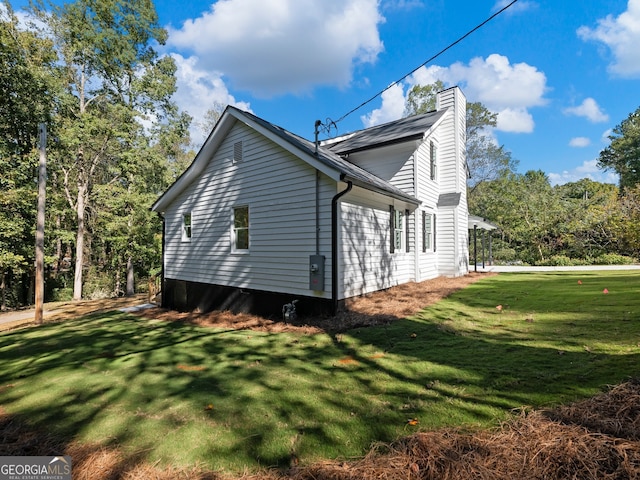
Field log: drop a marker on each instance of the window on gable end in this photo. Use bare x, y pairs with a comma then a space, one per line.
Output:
433, 161
240, 230
186, 227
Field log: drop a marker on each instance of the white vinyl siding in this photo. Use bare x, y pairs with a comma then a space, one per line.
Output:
392, 163
366, 261
280, 192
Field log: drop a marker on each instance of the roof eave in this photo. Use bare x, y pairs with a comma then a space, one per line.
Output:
199, 163
372, 188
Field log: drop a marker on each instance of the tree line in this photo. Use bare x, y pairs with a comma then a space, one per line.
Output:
88, 70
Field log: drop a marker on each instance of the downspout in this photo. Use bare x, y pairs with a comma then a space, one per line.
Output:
334, 244
316, 126
317, 212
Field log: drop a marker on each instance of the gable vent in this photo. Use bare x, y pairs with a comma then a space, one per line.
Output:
237, 152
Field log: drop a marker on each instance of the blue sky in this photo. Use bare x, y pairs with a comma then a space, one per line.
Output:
560, 74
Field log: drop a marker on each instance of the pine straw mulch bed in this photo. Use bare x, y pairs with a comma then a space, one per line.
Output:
597, 438
377, 308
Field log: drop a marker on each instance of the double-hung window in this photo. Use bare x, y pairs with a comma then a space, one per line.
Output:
433, 161
186, 227
397, 229
428, 232
240, 229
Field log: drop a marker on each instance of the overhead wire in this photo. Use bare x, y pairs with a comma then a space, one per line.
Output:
451, 45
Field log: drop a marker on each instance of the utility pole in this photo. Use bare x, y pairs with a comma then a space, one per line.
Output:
42, 190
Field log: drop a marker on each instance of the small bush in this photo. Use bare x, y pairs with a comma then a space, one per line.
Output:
558, 261
613, 259
64, 294
504, 255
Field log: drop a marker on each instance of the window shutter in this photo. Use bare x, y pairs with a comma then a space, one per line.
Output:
424, 231
392, 229
433, 152
434, 231
406, 223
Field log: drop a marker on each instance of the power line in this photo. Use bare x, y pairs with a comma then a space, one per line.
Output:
427, 61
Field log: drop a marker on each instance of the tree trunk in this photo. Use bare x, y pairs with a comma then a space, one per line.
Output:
80, 211
130, 279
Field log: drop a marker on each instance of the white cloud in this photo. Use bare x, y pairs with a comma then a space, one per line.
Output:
605, 135
505, 88
272, 47
588, 169
621, 35
198, 91
588, 109
515, 120
579, 142
392, 108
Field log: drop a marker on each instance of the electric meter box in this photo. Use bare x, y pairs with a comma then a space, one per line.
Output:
316, 273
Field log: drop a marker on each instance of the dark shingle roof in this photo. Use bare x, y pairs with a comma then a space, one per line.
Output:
351, 172
397, 131
449, 199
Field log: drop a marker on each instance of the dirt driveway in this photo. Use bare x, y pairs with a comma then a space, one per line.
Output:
57, 311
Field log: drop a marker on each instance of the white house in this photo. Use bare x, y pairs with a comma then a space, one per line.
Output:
262, 216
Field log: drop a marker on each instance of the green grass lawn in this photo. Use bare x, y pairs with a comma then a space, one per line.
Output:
226, 400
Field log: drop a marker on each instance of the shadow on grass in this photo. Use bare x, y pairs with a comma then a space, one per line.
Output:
185, 395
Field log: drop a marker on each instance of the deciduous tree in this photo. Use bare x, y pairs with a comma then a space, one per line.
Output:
26, 89
115, 85
623, 153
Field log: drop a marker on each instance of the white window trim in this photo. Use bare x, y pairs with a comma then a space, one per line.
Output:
184, 228
429, 217
234, 250
433, 161
399, 229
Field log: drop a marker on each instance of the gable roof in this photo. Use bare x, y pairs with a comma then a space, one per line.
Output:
325, 160
405, 129
349, 171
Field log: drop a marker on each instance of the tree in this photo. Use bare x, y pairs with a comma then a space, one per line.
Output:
486, 160
26, 63
623, 154
210, 119
628, 225
590, 210
422, 98
114, 82
530, 215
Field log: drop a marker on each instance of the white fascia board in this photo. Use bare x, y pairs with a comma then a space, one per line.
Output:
198, 165
435, 125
